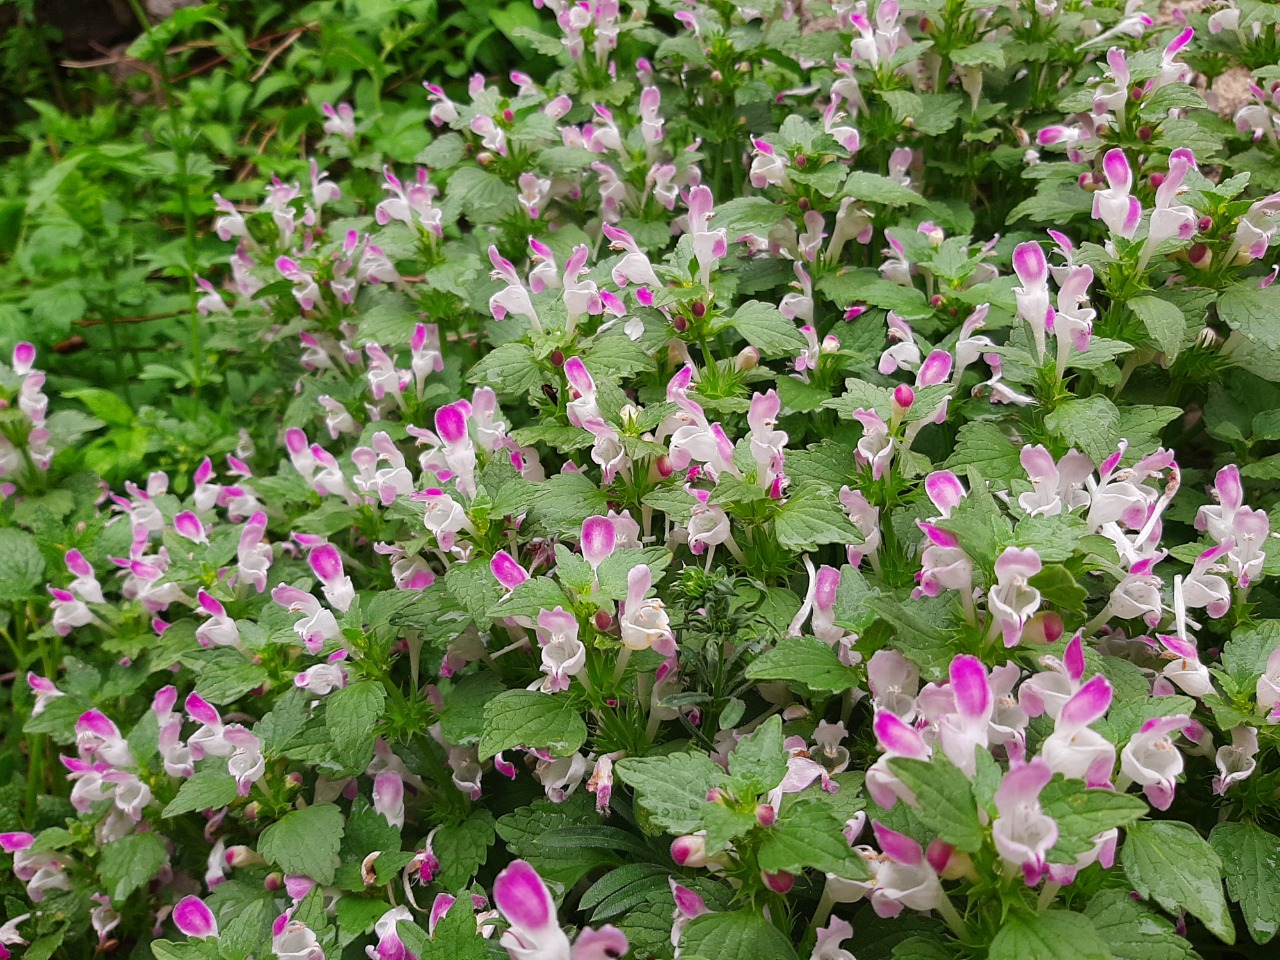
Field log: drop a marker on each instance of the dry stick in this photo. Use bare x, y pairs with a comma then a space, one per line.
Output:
98, 321
275, 52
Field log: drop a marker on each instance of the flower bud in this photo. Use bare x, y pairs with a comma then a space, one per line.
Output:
699, 309
1157, 179
273, 881
485, 159
664, 466
680, 324
716, 76
689, 851
251, 811
603, 620
903, 398
1044, 627
780, 882
557, 358
804, 205
242, 856
801, 161
748, 359
293, 781
1205, 224
935, 301
829, 345
766, 815
1136, 93
1144, 133
508, 115
1200, 256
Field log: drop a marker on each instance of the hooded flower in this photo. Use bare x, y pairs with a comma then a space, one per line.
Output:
1023, 833
533, 931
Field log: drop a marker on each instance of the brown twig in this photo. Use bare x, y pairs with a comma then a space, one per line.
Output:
99, 321
276, 51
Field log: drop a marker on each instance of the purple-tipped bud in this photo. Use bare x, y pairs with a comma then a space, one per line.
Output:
689, 851
903, 398
780, 882
766, 814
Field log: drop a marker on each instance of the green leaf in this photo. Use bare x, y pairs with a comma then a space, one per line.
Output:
984, 446
534, 595
810, 835
351, 716
531, 719
804, 661
510, 369
21, 564
874, 188
130, 862
672, 789
209, 789
1249, 857
1245, 655
1083, 814
462, 721
1088, 424
740, 935
472, 584
1133, 931
1059, 589
812, 516
305, 841
759, 761
944, 800
1168, 861
1051, 935
462, 848
1253, 312
762, 326
1166, 324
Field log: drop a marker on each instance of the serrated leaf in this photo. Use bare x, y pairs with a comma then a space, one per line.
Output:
130, 862
1050, 935
1253, 311
1168, 861
810, 517
805, 661
1083, 814
461, 848
529, 599
944, 800
740, 935
1250, 856
672, 789
874, 188
531, 719
1164, 322
762, 326
983, 445
208, 789
351, 716
305, 841
1089, 424
21, 564
1133, 931
809, 835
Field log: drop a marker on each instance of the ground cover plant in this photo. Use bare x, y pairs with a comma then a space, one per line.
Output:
783, 481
